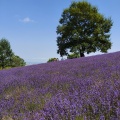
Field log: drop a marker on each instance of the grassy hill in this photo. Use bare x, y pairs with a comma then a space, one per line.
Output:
77, 89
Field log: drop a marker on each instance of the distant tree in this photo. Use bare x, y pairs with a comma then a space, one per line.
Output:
17, 61
5, 53
83, 28
52, 59
72, 56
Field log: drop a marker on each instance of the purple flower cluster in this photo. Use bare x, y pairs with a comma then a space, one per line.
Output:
77, 89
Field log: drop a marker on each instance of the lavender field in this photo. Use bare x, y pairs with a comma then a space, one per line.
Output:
77, 89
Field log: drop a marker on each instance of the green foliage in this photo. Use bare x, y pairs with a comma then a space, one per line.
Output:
84, 29
73, 55
5, 53
7, 57
52, 59
31, 106
79, 118
17, 61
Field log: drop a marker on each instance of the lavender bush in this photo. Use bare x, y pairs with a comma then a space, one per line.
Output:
78, 89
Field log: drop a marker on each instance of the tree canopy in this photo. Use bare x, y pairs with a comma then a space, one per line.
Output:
72, 56
17, 61
5, 53
7, 57
53, 59
83, 28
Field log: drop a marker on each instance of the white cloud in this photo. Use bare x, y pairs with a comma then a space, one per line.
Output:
26, 20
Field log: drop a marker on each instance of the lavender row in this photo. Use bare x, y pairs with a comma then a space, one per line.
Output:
78, 89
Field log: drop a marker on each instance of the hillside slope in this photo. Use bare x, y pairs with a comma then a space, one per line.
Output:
76, 89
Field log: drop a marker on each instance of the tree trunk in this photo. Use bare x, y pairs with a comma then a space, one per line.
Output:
81, 53
2, 67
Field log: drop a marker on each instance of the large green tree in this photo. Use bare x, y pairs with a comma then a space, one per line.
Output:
5, 53
83, 28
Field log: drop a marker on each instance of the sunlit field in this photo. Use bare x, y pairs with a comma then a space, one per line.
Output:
78, 89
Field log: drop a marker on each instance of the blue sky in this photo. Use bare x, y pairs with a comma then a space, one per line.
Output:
30, 25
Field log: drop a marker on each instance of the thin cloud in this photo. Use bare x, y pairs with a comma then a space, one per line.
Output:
26, 20
37, 59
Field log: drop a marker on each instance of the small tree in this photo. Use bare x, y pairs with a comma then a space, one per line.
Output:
72, 56
82, 27
5, 53
75, 53
52, 59
17, 61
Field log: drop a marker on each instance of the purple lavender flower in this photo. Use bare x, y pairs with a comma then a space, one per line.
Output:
83, 88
